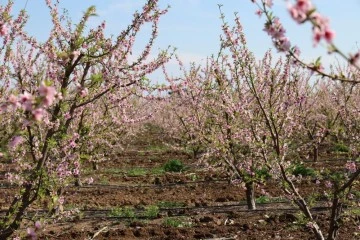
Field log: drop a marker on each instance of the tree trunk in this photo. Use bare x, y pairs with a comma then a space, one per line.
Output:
10, 223
315, 153
250, 195
95, 166
335, 213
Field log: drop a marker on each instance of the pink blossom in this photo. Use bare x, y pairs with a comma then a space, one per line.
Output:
15, 141
37, 225
84, 92
300, 10
351, 166
297, 15
329, 35
31, 233
283, 44
317, 35
328, 184
25, 97
297, 51
3, 107
38, 114
275, 29
304, 5
26, 101
72, 144
259, 12
58, 95
67, 116
13, 100
48, 93
269, 3
3, 30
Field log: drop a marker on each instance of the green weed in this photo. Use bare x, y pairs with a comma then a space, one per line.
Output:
174, 165
136, 172
300, 169
151, 211
127, 212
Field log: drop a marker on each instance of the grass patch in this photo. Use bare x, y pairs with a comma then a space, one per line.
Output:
263, 199
136, 172
341, 148
177, 222
355, 212
126, 212
104, 180
174, 165
157, 171
300, 169
157, 148
151, 211
266, 199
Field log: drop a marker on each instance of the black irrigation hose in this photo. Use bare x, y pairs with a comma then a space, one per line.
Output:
191, 211
166, 185
183, 208
219, 181
262, 206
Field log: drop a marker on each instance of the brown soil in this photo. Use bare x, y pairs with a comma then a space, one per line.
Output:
196, 204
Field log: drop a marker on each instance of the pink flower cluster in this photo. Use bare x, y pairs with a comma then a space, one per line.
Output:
48, 94
15, 141
351, 166
277, 32
29, 103
303, 10
300, 10
3, 30
31, 232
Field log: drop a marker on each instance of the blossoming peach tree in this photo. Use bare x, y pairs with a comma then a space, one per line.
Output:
340, 184
226, 102
279, 114
47, 90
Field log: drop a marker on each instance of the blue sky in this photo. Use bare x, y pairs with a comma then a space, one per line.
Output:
193, 26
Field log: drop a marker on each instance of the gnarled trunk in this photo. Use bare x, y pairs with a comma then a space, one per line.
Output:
250, 195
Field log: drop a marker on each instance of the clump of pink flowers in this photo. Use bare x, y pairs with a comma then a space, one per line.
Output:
3, 30
277, 32
34, 103
302, 11
48, 94
31, 232
351, 166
